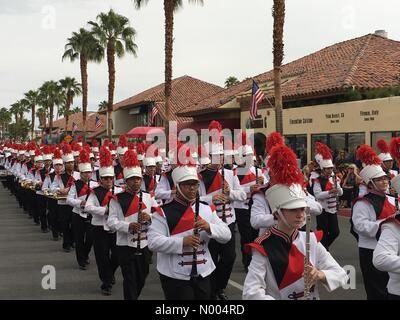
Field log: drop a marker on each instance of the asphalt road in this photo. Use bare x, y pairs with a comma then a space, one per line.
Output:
24, 251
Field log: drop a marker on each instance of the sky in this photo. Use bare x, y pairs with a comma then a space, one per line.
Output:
222, 38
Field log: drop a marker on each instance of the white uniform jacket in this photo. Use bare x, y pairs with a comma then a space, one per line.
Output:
170, 224
210, 185
80, 191
387, 255
124, 210
327, 201
277, 266
63, 181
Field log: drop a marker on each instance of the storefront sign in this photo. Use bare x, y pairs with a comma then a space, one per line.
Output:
300, 121
369, 115
334, 117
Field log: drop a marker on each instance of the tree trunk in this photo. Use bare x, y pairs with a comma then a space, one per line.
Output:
84, 81
278, 100
51, 120
111, 83
33, 107
67, 106
169, 29
278, 13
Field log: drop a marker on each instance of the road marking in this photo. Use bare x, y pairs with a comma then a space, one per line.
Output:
235, 284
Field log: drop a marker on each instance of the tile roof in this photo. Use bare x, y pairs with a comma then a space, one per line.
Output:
77, 118
185, 91
367, 62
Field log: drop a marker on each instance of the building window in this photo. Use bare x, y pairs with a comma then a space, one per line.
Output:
385, 135
339, 141
298, 143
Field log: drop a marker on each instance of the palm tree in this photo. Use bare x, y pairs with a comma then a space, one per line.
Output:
70, 88
85, 47
278, 13
41, 113
51, 96
14, 110
32, 98
231, 81
170, 7
5, 119
117, 37
102, 106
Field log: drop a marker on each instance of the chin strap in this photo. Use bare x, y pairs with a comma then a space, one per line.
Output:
284, 219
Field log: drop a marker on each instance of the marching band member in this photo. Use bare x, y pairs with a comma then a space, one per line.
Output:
119, 172
149, 182
368, 213
165, 189
61, 186
54, 215
277, 267
180, 227
220, 187
386, 158
130, 214
327, 191
77, 197
104, 240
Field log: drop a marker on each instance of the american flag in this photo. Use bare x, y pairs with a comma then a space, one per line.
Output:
74, 127
98, 122
256, 97
153, 114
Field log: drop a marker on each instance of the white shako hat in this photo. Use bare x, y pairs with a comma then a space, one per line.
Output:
204, 159
80, 141
149, 158
76, 149
67, 153
57, 157
371, 162
286, 179
106, 163
384, 149
38, 155
131, 165
84, 161
122, 145
325, 156
186, 168
395, 151
95, 145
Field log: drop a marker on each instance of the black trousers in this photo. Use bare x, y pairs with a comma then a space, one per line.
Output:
104, 245
393, 297
83, 237
135, 269
54, 220
31, 196
328, 223
246, 231
198, 288
375, 281
224, 256
41, 210
65, 213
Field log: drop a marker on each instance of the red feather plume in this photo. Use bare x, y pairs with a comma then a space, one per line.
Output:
87, 149
140, 148
130, 159
395, 148
105, 158
95, 143
38, 153
112, 147
80, 139
76, 147
122, 142
131, 145
84, 156
215, 125
273, 140
367, 156
66, 148
323, 150
283, 167
106, 143
382, 146
57, 154
46, 149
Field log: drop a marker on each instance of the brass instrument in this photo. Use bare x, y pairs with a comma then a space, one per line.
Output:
193, 272
138, 252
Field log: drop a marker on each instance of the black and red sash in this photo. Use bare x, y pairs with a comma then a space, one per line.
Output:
67, 180
129, 203
103, 195
247, 178
82, 188
43, 174
180, 216
381, 204
212, 180
326, 185
149, 182
52, 176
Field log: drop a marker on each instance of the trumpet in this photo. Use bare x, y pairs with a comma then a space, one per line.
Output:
193, 272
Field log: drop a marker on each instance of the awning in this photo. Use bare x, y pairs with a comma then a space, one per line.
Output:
144, 131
